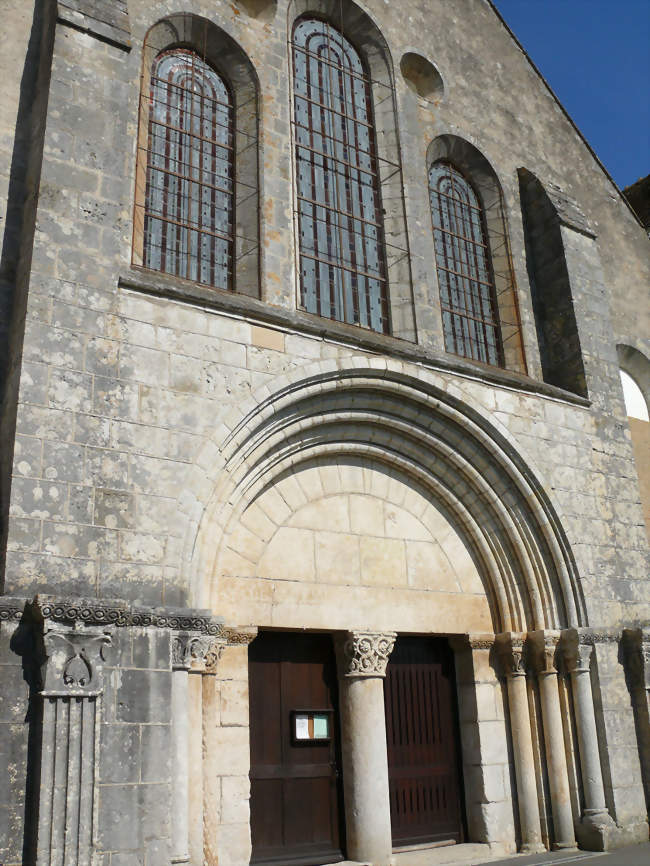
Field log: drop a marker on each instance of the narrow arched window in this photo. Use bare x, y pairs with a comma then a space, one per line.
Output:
340, 223
467, 294
188, 202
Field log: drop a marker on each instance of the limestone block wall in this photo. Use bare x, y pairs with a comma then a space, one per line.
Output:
365, 549
135, 747
14, 737
130, 387
120, 393
487, 763
226, 831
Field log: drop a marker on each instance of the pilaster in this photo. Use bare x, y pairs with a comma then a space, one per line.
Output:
73, 684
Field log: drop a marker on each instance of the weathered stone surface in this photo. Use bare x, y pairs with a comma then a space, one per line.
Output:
176, 445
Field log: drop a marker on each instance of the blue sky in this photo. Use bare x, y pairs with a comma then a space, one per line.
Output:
595, 54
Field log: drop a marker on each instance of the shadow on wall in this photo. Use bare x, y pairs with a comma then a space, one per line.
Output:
18, 238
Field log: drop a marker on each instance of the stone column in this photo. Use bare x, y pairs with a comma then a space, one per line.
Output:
512, 651
72, 687
211, 779
556, 763
595, 817
362, 660
181, 661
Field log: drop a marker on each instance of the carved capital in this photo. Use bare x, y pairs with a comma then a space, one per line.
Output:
544, 651
189, 650
513, 653
213, 657
578, 647
365, 654
74, 663
202, 653
481, 641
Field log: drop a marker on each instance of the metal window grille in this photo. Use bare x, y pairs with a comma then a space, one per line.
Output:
340, 220
188, 202
467, 292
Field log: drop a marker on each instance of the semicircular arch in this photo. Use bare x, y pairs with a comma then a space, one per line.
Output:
432, 437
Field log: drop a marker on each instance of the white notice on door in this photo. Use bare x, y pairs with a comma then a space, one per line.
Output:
302, 726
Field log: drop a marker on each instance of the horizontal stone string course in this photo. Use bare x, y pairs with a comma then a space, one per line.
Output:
113, 613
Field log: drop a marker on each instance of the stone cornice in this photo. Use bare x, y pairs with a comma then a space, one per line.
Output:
106, 21
11, 609
120, 614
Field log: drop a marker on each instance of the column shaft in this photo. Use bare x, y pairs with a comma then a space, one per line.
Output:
195, 765
596, 822
180, 766
592, 777
558, 774
522, 746
365, 770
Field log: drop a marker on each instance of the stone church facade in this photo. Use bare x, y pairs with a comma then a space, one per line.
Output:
322, 532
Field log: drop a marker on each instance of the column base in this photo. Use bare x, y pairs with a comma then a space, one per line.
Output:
564, 846
533, 848
594, 830
608, 836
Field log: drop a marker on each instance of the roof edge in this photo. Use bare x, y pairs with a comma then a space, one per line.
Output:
565, 112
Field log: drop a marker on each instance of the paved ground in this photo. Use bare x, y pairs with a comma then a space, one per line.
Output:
474, 854
635, 855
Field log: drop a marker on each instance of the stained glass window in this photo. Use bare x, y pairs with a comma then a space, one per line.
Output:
189, 180
342, 261
467, 296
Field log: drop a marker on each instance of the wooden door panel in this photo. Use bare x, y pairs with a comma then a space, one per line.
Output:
295, 791
422, 742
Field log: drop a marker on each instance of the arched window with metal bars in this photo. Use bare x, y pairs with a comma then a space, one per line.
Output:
343, 272
188, 203
470, 314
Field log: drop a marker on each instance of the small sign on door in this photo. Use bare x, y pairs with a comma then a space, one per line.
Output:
310, 725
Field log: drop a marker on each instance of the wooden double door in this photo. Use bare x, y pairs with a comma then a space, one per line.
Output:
422, 741
296, 791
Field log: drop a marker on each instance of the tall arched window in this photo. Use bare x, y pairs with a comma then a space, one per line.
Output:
470, 315
188, 202
340, 221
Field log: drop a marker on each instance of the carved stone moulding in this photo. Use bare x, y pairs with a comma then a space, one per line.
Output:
366, 654
11, 609
120, 614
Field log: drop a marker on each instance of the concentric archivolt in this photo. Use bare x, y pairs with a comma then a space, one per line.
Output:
424, 435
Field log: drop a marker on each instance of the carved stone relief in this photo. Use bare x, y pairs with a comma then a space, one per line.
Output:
366, 654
